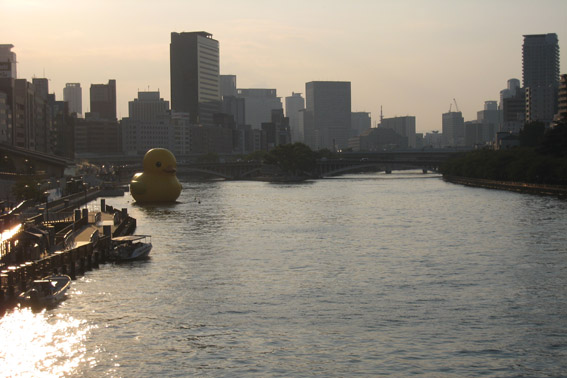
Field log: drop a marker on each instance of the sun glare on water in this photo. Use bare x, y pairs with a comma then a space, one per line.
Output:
40, 344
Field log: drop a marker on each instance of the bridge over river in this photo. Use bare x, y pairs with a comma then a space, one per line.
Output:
347, 163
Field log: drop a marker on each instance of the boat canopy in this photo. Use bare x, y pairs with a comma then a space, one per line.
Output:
130, 238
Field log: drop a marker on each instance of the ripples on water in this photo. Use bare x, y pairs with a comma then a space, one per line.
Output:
360, 275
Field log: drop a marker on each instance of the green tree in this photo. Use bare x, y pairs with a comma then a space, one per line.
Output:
532, 134
259, 156
554, 141
211, 157
294, 159
27, 189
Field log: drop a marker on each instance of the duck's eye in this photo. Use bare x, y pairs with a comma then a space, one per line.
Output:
158, 164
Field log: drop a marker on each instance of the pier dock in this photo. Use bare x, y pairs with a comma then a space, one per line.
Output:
79, 245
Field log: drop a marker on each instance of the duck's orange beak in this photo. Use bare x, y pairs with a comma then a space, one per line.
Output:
169, 169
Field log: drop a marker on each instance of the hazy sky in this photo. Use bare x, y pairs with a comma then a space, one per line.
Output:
412, 57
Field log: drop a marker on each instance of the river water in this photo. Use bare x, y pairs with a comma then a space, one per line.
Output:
360, 275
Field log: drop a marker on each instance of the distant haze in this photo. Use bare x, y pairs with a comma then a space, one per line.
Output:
410, 57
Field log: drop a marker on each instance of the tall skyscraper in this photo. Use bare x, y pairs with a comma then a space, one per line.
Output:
73, 94
194, 72
228, 85
258, 105
7, 62
148, 124
327, 116
360, 122
562, 108
293, 105
512, 107
454, 128
147, 107
404, 126
541, 76
103, 100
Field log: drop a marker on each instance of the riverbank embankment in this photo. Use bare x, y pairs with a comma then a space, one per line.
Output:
521, 187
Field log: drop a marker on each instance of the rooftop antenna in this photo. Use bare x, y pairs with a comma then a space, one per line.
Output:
381, 115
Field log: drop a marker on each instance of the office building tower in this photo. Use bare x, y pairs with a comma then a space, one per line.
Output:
293, 105
228, 85
562, 103
103, 100
360, 122
258, 105
7, 62
453, 125
512, 107
194, 73
148, 124
147, 107
63, 134
42, 115
490, 114
327, 116
73, 94
540, 54
404, 126
5, 118
512, 88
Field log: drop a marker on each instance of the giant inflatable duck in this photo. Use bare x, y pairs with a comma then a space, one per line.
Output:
158, 182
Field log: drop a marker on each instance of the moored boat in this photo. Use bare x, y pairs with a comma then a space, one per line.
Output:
133, 247
46, 292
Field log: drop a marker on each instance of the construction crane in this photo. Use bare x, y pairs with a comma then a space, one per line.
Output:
456, 106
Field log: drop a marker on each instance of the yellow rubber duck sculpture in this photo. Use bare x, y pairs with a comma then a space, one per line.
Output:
158, 182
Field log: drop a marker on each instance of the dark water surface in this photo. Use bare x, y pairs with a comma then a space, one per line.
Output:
368, 275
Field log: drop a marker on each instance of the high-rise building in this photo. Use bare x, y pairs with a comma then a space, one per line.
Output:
147, 125
404, 126
103, 100
510, 91
73, 94
63, 134
541, 76
42, 115
327, 116
5, 118
453, 129
562, 112
194, 73
228, 85
293, 105
7, 62
487, 124
258, 105
360, 122
512, 107
147, 107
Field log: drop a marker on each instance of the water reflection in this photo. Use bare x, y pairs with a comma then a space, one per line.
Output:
42, 344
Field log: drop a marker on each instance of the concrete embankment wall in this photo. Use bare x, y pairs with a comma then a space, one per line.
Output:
522, 187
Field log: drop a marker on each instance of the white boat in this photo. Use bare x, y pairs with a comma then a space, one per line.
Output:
46, 292
133, 247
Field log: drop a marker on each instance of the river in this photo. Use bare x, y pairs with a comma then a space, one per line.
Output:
359, 275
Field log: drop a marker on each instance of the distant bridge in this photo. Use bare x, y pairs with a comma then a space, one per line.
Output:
24, 162
382, 161
349, 163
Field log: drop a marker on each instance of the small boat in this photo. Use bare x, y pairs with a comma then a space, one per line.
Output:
46, 292
133, 247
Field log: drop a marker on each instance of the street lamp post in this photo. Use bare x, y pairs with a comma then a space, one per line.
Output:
85, 189
46, 194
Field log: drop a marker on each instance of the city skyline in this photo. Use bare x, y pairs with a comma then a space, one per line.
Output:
409, 58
